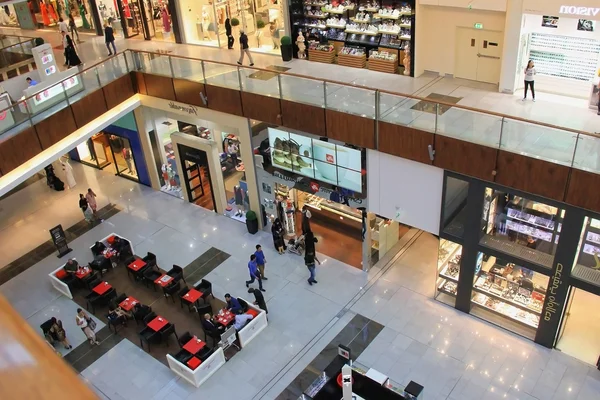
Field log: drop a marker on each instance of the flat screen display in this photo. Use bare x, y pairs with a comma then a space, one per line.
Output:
323, 161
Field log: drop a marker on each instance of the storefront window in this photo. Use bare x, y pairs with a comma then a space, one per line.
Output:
234, 176
109, 15
123, 156
587, 265
521, 227
204, 21
108, 150
93, 152
131, 17
264, 23
449, 258
455, 206
8, 16
508, 295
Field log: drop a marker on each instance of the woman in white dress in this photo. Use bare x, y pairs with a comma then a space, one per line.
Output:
84, 321
68, 170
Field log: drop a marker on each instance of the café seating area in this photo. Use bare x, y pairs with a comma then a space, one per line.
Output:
159, 310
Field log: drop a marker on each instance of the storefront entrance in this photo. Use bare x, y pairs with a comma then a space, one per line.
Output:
107, 150
197, 176
578, 336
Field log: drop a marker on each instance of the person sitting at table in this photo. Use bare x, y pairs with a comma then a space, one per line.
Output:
140, 311
116, 315
31, 82
98, 248
71, 266
211, 327
241, 320
233, 304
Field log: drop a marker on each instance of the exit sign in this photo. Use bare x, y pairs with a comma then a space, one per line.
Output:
478, 26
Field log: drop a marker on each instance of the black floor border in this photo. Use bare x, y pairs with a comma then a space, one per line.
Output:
356, 335
46, 249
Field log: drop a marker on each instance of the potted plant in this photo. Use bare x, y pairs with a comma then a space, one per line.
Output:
251, 222
235, 22
260, 24
287, 49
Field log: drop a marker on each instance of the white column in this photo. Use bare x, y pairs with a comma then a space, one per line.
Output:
510, 51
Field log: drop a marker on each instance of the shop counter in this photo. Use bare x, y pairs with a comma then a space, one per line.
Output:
336, 214
254, 326
202, 372
58, 284
51, 91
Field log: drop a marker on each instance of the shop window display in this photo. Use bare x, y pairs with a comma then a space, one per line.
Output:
587, 265
107, 150
521, 227
204, 22
455, 206
377, 27
131, 17
449, 257
234, 177
508, 295
8, 16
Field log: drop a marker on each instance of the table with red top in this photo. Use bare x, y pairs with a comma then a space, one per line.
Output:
102, 288
225, 318
194, 345
108, 253
192, 296
194, 362
137, 265
83, 272
128, 303
157, 323
163, 280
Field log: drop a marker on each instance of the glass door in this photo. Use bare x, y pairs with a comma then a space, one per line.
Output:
197, 177
131, 18
148, 24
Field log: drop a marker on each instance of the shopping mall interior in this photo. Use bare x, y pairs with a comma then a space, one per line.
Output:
422, 281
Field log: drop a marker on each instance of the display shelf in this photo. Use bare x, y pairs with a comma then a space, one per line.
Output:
405, 38
336, 11
443, 290
445, 244
534, 220
443, 275
350, 60
336, 26
360, 21
501, 314
387, 66
405, 25
370, 33
507, 301
326, 57
384, 32
322, 16
369, 9
394, 17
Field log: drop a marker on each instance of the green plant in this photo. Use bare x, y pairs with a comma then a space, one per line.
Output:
260, 24
235, 22
251, 216
286, 40
39, 41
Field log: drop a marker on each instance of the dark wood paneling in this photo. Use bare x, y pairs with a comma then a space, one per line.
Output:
18, 149
405, 142
583, 190
160, 86
303, 117
56, 127
139, 83
89, 107
118, 91
351, 129
465, 157
262, 108
225, 100
189, 92
532, 175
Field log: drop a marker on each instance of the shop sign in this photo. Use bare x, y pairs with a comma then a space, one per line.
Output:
553, 305
478, 25
573, 10
188, 109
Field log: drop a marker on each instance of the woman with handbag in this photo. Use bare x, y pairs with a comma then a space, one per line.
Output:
58, 332
87, 325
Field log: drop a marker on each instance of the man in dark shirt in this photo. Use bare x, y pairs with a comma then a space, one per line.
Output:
244, 49
71, 266
109, 39
210, 327
233, 304
260, 300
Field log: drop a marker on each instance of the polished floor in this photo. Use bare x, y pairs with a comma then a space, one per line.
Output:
456, 356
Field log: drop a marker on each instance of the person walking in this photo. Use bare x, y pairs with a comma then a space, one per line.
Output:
109, 39
87, 325
244, 49
254, 274
260, 262
259, 300
310, 256
306, 215
277, 232
73, 28
71, 54
59, 333
230, 39
530, 72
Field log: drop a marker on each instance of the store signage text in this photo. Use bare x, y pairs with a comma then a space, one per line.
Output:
316, 189
572, 10
553, 305
186, 109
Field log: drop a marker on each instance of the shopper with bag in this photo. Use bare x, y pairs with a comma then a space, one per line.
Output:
310, 256
87, 325
58, 333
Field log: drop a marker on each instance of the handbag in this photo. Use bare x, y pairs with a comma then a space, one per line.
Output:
91, 323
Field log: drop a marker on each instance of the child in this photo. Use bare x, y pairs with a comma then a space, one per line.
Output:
260, 261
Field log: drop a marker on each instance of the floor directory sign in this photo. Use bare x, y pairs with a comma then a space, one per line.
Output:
60, 240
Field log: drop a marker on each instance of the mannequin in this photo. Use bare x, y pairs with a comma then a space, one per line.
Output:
52, 12
165, 175
68, 171
166, 20
44, 10
82, 12
4, 18
301, 46
205, 23
171, 174
239, 200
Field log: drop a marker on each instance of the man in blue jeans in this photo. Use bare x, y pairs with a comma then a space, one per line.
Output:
254, 274
309, 259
